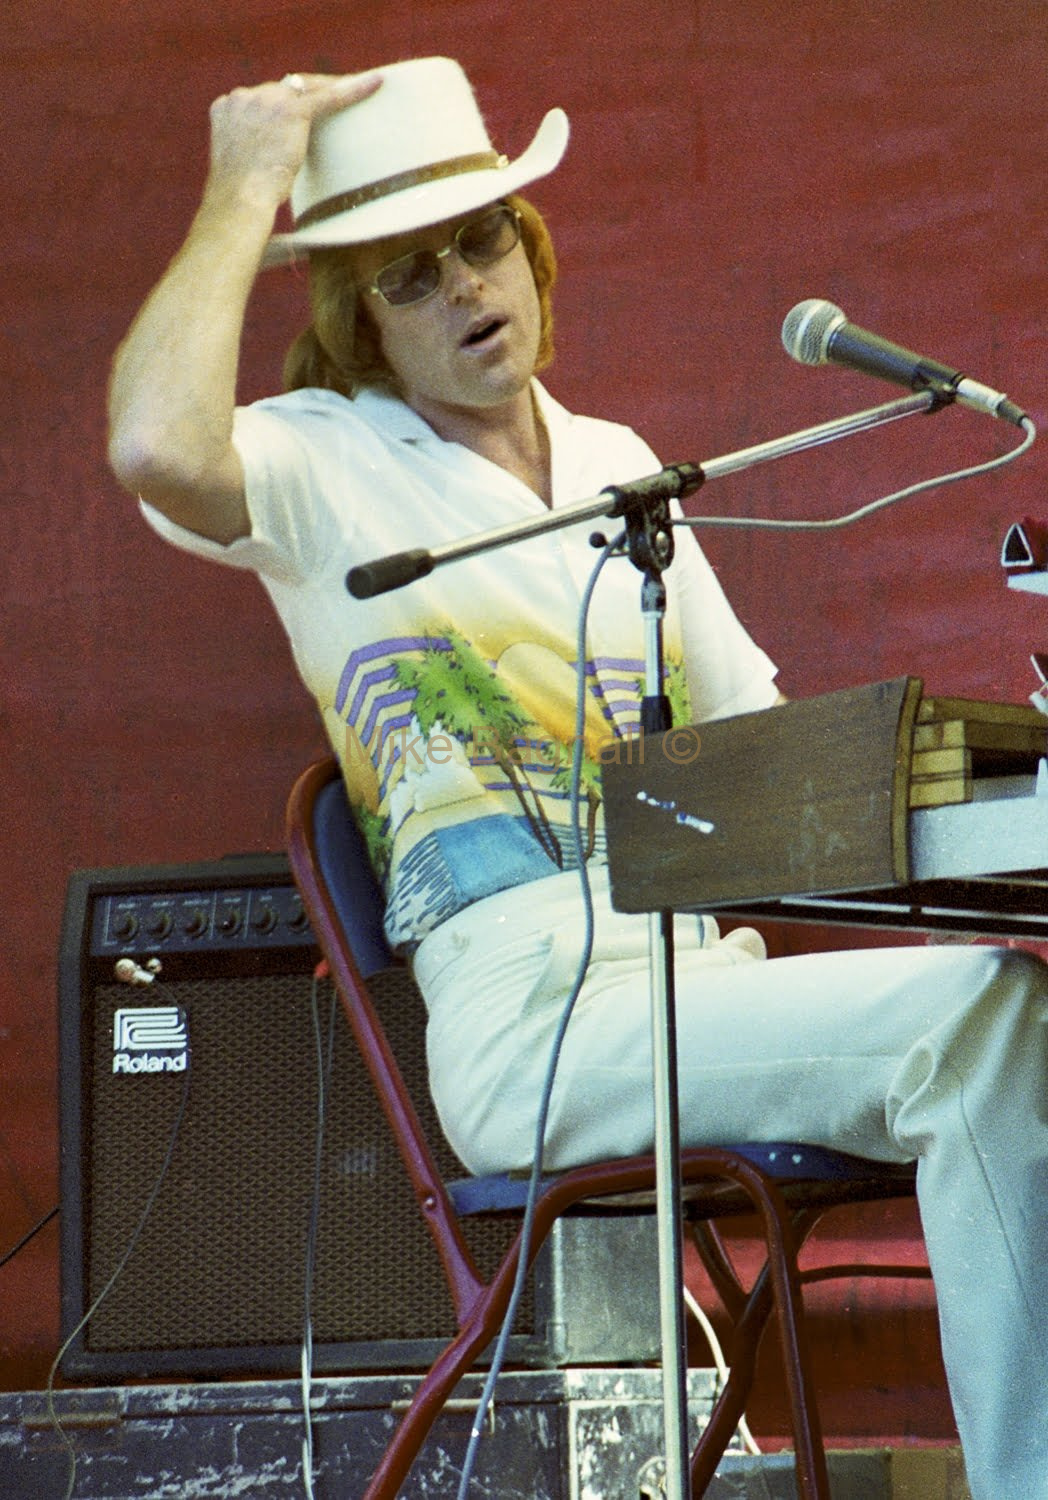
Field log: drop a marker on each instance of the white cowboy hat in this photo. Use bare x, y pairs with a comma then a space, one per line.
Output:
412, 154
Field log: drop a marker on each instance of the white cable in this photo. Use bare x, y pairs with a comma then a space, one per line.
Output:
114, 1278
720, 1364
324, 1062
306, 1377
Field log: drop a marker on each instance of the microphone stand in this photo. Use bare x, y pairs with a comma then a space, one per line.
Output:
644, 506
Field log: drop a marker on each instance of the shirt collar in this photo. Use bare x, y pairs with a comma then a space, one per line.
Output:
396, 417
391, 414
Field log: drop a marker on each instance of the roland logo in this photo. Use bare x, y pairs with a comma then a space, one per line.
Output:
150, 1039
130, 1062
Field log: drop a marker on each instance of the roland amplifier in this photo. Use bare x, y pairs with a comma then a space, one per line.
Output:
194, 1056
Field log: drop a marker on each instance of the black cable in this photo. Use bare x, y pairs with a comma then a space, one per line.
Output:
52, 1213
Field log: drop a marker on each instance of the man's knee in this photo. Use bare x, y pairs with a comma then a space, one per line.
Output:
1022, 971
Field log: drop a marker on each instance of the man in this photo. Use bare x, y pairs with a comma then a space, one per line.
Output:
414, 419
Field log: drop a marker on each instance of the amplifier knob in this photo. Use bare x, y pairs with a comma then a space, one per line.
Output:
297, 919
125, 925
264, 920
229, 922
159, 924
195, 924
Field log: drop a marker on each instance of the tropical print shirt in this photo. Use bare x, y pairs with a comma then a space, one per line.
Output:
451, 702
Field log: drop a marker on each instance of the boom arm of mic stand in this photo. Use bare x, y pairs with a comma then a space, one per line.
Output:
825, 432
400, 568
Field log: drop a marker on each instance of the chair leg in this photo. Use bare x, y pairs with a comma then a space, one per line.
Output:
778, 1284
426, 1405
730, 1405
712, 1252
810, 1457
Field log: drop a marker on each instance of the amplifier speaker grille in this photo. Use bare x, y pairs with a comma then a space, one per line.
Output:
216, 1280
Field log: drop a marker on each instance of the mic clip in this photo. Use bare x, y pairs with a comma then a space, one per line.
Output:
644, 505
943, 392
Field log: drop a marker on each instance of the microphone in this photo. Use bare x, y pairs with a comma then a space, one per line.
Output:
817, 333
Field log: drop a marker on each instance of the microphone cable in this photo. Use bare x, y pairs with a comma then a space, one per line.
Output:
535, 1179
767, 523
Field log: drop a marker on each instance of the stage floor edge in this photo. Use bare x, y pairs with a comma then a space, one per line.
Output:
567, 1434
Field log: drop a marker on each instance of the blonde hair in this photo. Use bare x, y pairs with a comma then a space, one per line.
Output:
341, 349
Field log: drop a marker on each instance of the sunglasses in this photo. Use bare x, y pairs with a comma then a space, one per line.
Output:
480, 242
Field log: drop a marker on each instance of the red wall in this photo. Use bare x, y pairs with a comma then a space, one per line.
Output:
729, 157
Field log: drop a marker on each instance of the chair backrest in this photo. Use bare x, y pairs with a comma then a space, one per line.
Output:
342, 860
329, 862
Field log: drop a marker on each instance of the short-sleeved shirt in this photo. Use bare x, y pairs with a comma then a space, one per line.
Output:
450, 702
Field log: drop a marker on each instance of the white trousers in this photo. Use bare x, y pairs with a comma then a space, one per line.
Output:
930, 1053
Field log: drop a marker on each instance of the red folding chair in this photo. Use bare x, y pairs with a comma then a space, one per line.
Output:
787, 1187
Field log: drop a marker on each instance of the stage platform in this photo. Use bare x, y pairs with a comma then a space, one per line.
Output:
568, 1434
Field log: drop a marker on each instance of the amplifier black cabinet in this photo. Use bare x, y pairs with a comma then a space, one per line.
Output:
187, 1037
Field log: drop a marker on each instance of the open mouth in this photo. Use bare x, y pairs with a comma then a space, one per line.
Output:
482, 333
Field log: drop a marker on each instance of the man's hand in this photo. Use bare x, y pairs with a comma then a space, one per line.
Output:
259, 135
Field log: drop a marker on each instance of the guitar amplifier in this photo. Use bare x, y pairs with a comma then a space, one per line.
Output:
194, 1051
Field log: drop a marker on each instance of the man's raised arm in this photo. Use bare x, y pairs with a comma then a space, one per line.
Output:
173, 387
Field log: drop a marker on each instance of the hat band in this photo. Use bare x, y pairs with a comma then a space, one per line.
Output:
341, 203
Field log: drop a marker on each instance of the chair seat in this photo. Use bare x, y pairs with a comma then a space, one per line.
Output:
786, 1162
